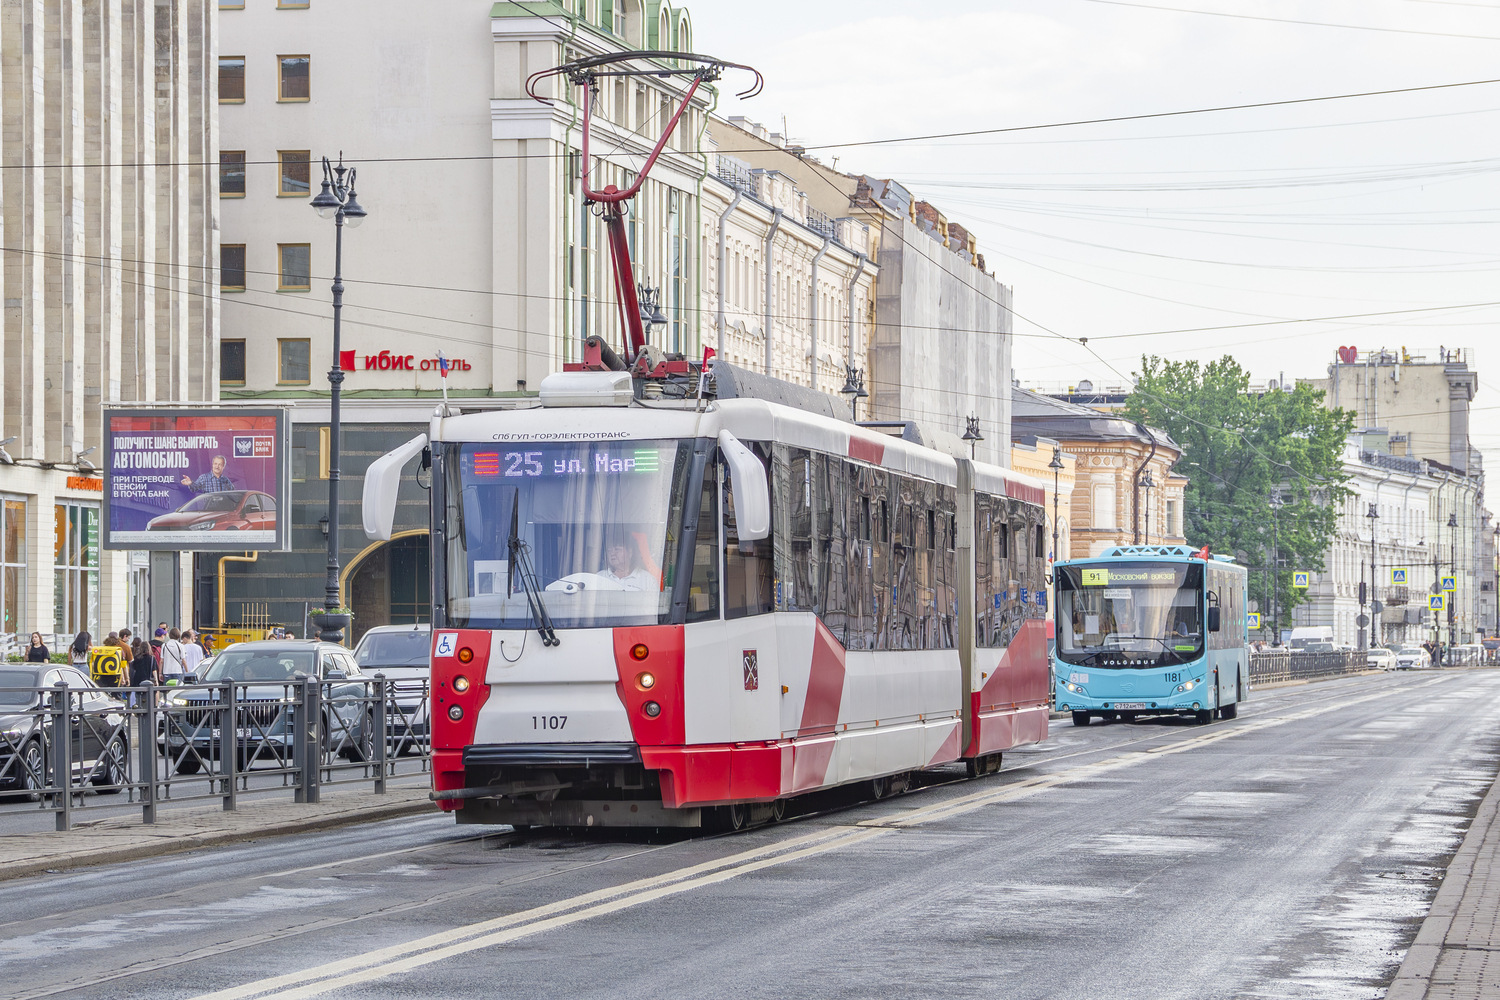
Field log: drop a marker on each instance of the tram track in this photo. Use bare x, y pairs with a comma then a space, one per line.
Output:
502, 930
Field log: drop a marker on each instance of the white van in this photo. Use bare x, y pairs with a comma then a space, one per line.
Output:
1313, 638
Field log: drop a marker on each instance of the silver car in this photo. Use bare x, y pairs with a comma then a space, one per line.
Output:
1412, 658
403, 653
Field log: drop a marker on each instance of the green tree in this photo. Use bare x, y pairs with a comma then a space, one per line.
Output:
1263, 470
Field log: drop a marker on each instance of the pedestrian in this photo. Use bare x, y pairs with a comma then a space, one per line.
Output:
192, 653
142, 664
127, 648
37, 652
173, 658
78, 652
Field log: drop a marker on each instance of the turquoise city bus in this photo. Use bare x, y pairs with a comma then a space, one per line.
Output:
1151, 630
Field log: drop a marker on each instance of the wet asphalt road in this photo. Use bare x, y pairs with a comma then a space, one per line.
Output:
1289, 853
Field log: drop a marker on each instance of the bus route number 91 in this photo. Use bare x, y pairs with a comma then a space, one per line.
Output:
548, 721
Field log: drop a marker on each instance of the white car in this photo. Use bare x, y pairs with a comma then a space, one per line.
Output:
1380, 658
403, 654
1412, 658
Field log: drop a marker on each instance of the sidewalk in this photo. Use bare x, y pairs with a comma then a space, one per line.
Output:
1456, 955
126, 838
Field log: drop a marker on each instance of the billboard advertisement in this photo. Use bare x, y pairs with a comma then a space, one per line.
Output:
196, 479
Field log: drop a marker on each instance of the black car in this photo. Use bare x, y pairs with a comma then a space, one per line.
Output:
264, 675
99, 734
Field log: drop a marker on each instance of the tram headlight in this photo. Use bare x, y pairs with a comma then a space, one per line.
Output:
455, 712
460, 684
652, 709
645, 680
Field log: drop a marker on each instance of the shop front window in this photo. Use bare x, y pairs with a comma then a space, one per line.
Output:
13, 566
75, 584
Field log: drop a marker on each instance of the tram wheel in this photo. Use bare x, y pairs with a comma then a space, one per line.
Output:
778, 810
880, 787
1080, 718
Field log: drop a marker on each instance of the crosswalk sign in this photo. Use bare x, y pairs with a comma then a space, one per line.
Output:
1299, 579
1253, 619
1450, 584
1435, 602
1398, 576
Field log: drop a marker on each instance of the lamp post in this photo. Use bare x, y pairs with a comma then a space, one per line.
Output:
338, 202
1275, 568
1373, 515
971, 434
854, 389
1056, 465
1146, 484
1452, 571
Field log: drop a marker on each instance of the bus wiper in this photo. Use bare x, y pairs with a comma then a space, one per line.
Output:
520, 561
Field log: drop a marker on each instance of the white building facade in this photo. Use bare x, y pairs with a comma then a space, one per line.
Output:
107, 287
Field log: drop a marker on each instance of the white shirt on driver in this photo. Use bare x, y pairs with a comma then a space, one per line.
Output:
636, 579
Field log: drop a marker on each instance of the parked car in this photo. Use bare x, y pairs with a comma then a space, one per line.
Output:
225, 510
403, 653
1467, 654
1412, 658
1380, 658
192, 716
99, 734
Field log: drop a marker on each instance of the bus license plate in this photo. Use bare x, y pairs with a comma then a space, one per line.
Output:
1130, 704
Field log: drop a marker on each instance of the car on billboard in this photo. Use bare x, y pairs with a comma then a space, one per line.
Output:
226, 510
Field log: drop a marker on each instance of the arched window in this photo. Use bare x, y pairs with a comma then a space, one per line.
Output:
629, 20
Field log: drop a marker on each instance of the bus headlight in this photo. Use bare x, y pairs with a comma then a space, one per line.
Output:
1186, 686
1075, 688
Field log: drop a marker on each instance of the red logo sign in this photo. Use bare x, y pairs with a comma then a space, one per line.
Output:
385, 361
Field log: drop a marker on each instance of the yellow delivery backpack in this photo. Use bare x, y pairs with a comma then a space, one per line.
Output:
107, 666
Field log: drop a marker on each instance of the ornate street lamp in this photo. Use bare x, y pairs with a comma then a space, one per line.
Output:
338, 202
1453, 571
650, 299
1146, 484
1056, 465
972, 435
854, 389
1373, 515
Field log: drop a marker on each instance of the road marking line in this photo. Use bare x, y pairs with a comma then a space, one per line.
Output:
448, 937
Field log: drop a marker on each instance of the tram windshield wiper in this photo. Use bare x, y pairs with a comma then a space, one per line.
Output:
520, 563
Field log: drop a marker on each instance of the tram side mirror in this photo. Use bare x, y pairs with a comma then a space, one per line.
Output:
752, 494
1213, 619
382, 484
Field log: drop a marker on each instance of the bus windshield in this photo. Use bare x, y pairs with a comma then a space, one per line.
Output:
597, 520
1131, 615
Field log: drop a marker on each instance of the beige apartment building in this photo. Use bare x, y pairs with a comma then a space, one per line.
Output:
111, 240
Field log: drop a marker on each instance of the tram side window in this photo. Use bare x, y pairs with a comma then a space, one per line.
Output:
945, 560
703, 593
749, 570
876, 483
859, 608
829, 527
907, 564
797, 583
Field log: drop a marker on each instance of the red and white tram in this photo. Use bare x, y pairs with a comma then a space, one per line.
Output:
667, 612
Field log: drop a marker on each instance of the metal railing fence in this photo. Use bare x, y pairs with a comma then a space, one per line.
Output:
1274, 666
62, 746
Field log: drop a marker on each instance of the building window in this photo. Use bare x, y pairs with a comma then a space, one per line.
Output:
1104, 507
232, 362
293, 80
13, 566
75, 587
291, 4
232, 173
1173, 528
231, 79
295, 172
294, 267
231, 267
231, 4
294, 361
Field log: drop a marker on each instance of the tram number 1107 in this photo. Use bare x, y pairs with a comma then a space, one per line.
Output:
548, 721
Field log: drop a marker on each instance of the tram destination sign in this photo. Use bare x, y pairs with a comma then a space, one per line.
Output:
199, 479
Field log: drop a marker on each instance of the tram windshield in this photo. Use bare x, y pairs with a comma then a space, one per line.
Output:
1131, 615
598, 521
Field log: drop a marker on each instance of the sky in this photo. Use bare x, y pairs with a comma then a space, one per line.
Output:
1275, 234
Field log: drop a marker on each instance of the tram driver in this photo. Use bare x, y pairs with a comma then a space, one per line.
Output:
623, 565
